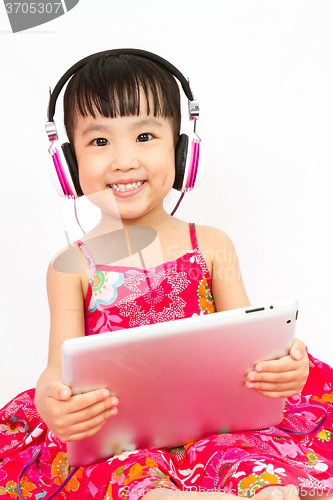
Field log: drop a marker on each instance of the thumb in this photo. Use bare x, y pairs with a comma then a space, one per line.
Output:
298, 349
58, 390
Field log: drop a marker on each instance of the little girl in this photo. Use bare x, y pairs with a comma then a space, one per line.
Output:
122, 117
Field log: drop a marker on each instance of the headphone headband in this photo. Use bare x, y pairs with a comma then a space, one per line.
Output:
193, 105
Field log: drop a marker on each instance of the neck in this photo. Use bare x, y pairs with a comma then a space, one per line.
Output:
156, 219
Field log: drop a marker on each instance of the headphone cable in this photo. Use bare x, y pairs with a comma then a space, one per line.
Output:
178, 203
33, 459
76, 216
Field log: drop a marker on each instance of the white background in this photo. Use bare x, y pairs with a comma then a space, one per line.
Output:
263, 71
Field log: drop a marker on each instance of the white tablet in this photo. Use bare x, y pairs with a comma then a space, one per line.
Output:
179, 381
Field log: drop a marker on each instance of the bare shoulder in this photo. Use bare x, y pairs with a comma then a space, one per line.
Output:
221, 258
69, 260
212, 237
59, 280
215, 245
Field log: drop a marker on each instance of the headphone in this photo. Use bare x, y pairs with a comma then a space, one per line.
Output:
64, 171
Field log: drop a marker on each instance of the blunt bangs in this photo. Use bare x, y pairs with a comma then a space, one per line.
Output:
111, 86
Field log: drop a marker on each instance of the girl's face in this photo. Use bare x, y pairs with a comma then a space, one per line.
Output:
129, 160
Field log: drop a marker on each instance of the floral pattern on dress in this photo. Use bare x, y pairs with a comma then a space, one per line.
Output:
262, 475
160, 299
145, 296
325, 398
206, 301
104, 288
324, 435
60, 470
11, 488
14, 426
239, 463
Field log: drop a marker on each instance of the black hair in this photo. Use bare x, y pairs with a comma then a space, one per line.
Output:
110, 86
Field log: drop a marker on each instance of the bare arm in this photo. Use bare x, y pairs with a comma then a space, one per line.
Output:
279, 378
69, 417
220, 254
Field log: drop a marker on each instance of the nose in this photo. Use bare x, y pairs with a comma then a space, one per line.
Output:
123, 157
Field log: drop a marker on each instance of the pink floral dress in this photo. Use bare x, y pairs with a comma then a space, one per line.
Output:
239, 463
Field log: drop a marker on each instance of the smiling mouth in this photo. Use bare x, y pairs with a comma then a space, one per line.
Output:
126, 187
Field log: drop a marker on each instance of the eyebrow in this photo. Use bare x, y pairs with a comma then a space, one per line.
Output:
149, 121
94, 127
98, 127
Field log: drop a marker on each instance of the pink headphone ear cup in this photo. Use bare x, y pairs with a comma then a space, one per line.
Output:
60, 174
201, 162
190, 164
194, 162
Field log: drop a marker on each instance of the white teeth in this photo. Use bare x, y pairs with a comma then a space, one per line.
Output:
126, 187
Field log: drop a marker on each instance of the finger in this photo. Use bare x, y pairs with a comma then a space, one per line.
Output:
82, 416
69, 423
272, 377
58, 390
298, 349
89, 427
276, 394
88, 399
85, 434
283, 364
276, 387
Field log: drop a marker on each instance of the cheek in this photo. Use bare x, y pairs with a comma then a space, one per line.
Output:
89, 167
88, 178
169, 171
172, 168
169, 159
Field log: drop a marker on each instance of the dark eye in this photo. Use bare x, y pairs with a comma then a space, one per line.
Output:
100, 142
144, 137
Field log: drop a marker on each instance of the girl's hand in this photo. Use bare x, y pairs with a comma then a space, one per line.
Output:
281, 378
72, 418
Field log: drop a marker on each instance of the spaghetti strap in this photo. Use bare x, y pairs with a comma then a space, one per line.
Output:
87, 254
193, 235
201, 260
